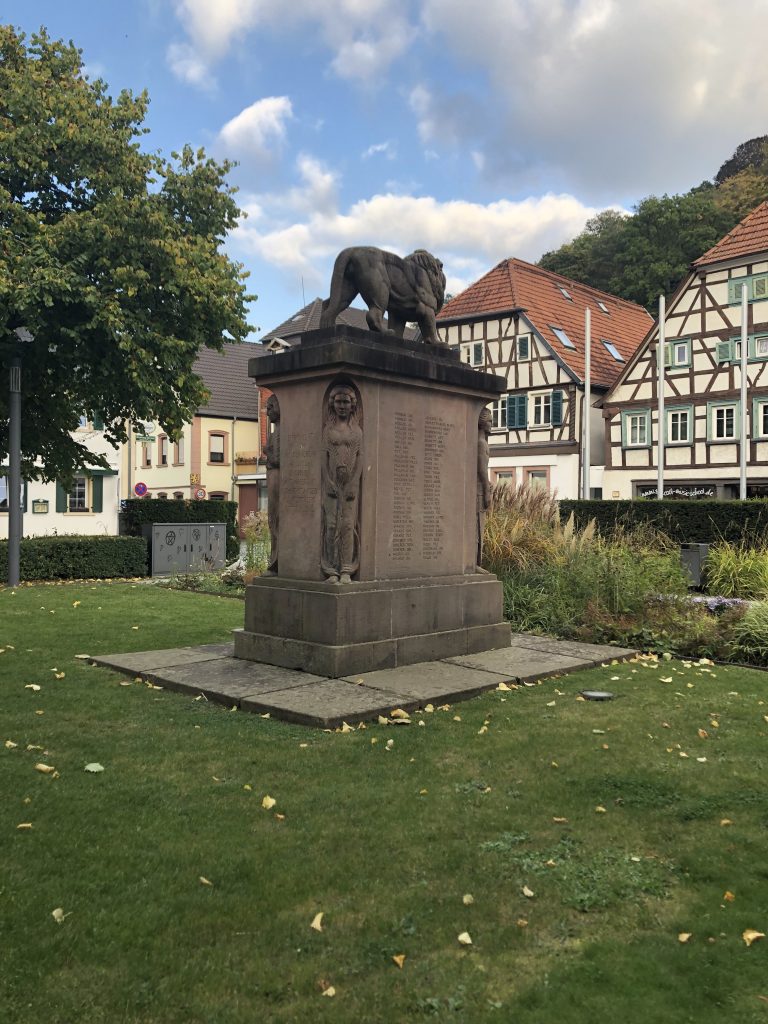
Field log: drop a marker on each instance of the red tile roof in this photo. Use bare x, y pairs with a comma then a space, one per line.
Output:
308, 319
515, 284
750, 236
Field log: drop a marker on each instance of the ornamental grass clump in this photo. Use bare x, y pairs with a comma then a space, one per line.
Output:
749, 635
737, 570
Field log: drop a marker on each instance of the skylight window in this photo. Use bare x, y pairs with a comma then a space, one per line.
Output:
562, 337
603, 307
613, 350
564, 292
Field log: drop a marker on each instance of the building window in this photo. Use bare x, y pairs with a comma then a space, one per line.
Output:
178, 496
162, 447
499, 413
477, 353
757, 288
82, 423
761, 346
603, 308
4, 493
178, 452
723, 421
564, 292
77, 499
216, 448
677, 354
146, 454
217, 496
523, 347
505, 476
679, 426
635, 429
760, 418
542, 410
162, 496
562, 337
612, 350
537, 479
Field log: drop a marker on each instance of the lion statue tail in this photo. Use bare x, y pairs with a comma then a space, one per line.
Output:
335, 304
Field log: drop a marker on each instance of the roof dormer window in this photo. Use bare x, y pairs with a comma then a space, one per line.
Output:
602, 306
610, 347
562, 337
564, 292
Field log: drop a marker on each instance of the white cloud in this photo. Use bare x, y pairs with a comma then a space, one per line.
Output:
364, 36
386, 149
187, 65
613, 97
301, 235
257, 128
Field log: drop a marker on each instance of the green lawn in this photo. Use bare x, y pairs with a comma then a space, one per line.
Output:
384, 842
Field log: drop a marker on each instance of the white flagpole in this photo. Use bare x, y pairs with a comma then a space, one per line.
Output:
743, 403
587, 406
660, 347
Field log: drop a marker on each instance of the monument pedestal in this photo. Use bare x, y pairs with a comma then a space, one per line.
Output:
407, 525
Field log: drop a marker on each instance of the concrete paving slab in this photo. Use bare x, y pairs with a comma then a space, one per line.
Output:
136, 662
327, 703
229, 680
433, 681
521, 664
574, 648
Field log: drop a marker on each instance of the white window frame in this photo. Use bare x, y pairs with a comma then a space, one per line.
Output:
474, 346
75, 491
634, 420
712, 414
541, 410
499, 413
674, 422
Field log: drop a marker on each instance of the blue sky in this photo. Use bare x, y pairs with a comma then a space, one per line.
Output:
476, 130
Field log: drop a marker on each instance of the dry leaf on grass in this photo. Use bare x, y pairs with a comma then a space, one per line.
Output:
684, 936
10, 745
729, 896
750, 936
398, 713
399, 959
600, 809
317, 922
46, 769
32, 686
330, 992
389, 744
528, 893
205, 881
467, 899
94, 767
560, 821
58, 915
82, 657
268, 803
725, 821
24, 826
465, 939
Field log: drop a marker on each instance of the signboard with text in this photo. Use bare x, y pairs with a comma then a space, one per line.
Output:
687, 492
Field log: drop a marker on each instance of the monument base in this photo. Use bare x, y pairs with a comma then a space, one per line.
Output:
334, 631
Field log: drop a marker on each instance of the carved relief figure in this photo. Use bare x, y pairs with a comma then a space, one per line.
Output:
341, 475
406, 289
272, 453
484, 425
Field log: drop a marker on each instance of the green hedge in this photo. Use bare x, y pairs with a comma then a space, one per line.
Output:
78, 558
689, 522
135, 512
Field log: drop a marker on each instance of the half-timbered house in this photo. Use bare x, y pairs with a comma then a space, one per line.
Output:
702, 354
528, 324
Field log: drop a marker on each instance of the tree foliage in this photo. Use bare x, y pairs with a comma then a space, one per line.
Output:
649, 252
110, 256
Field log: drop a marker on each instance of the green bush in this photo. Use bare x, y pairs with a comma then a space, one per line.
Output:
749, 635
135, 512
78, 558
686, 522
735, 570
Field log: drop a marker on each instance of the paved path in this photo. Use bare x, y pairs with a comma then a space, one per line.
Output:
314, 700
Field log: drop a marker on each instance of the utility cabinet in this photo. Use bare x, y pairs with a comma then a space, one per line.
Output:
185, 547
693, 558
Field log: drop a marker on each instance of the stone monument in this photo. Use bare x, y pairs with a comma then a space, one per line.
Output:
379, 504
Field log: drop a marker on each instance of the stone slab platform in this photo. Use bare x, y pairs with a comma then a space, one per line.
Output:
300, 697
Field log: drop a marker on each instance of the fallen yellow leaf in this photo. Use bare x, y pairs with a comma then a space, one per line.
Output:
399, 959
465, 939
551, 703
268, 803
467, 899
389, 744
684, 936
25, 826
330, 991
600, 809
46, 769
205, 881
726, 821
382, 720
10, 745
560, 821
58, 915
317, 922
728, 896
502, 686
32, 686
398, 713
750, 936
528, 893
703, 734
521, 922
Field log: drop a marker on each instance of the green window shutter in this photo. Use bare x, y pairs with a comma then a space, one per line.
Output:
98, 423
667, 355
61, 498
521, 412
97, 491
24, 498
734, 289
557, 408
724, 351
523, 346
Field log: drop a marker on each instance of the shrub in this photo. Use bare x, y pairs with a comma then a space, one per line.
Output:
77, 558
749, 635
704, 522
135, 512
257, 543
736, 570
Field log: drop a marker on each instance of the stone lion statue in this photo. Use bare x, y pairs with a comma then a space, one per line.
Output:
406, 289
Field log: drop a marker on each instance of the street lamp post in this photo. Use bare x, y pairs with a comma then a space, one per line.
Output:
14, 459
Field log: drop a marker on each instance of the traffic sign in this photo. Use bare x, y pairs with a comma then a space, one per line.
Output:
199, 493
140, 489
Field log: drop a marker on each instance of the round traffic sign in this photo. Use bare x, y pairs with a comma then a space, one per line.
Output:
140, 489
199, 493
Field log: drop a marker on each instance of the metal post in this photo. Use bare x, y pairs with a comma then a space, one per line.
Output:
743, 402
587, 409
14, 473
660, 346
